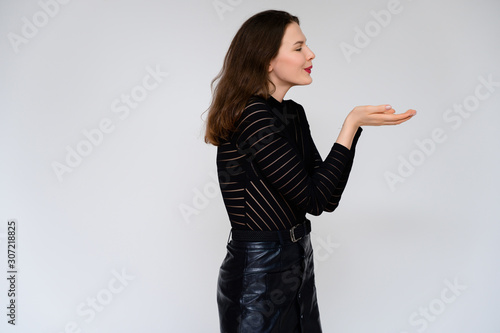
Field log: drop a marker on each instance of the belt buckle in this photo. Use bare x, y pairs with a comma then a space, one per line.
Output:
292, 234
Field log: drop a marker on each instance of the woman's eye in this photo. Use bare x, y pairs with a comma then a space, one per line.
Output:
299, 49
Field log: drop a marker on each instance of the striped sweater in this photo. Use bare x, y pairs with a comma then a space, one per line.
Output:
270, 172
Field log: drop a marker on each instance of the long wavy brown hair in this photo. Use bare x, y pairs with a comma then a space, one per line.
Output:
244, 72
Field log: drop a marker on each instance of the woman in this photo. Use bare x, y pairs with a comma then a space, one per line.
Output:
271, 175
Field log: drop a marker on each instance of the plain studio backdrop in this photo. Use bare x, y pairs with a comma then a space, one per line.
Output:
120, 226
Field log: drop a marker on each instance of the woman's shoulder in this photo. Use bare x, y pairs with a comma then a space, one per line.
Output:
257, 114
257, 101
256, 106
259, 107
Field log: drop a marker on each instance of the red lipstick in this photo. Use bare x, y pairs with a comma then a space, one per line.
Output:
308, 69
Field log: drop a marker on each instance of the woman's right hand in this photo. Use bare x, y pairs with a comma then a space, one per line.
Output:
370, 115
379, 115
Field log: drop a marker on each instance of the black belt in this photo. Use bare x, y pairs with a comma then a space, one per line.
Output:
294, 234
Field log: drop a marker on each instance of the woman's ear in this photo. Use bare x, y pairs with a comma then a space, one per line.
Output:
271, 65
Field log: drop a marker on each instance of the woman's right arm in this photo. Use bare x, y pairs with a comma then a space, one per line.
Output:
264, 144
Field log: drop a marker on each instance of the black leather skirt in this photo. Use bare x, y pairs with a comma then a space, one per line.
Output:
268, 287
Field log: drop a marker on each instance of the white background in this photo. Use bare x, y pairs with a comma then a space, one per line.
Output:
143, 202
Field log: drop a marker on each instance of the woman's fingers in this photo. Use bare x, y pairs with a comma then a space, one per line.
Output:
377, 115
373, 108
389, 118
394, 119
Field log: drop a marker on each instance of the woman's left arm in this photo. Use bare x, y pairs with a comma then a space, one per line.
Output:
334, 200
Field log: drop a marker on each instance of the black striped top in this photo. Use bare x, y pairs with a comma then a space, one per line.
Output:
270, 172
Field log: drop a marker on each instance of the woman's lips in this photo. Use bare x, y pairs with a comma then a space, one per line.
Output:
308, 69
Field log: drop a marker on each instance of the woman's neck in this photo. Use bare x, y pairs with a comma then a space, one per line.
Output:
279, 93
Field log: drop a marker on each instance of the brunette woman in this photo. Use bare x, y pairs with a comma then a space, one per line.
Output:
271, 175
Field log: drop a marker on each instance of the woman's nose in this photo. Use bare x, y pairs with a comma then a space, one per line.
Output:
311, 54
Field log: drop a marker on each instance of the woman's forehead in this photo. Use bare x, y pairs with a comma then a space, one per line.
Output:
293, 34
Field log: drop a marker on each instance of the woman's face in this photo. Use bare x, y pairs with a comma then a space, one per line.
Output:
292, 66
